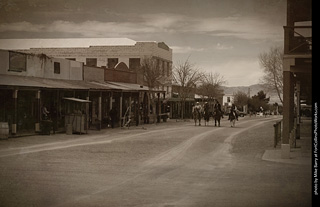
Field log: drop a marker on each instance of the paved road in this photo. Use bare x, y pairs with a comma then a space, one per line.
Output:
170, 164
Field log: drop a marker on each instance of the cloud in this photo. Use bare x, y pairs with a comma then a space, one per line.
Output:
21, 27
178, 49
236, 27
220, 46
83, 29
164, 21
242, 72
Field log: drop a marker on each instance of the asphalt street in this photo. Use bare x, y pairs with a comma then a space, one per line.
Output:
167, 164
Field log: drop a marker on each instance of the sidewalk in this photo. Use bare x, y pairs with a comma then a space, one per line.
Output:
301, 155
32, 140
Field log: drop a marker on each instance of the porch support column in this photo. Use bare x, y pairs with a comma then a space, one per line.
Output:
159, 109
110, 103
298, 109
100, 109
87, 112
120, 109
38, 111
130, 99
15, 104
148, 112
288, 110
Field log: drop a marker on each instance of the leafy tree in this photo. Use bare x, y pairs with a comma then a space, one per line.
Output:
259, 100
241, 99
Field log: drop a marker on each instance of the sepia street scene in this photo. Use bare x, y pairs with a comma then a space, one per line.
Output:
157, 103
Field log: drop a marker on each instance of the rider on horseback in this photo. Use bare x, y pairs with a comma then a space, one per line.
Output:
206, 112
233, 116
196, 111
217, 107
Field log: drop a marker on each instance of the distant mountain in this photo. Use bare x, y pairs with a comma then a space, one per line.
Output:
252, 90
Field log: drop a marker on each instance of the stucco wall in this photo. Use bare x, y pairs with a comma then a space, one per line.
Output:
120, 76
102, 53
43, 66
93, 73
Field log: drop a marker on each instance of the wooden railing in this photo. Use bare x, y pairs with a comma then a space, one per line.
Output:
277, 132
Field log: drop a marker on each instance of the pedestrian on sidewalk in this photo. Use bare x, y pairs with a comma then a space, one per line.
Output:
113, 116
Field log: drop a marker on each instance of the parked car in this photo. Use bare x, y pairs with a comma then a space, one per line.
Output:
259, 113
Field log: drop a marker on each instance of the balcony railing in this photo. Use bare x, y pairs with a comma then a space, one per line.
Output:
298, 39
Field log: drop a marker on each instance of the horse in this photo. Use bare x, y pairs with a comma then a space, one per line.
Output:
217, 115
197, 114
233, 116
206, 114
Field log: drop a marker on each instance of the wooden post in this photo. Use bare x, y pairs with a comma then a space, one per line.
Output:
130, 99
110, 101
15, 103
159, 109
100, 110
87, 112
120, 109
298, 110
38, 113
148, 107
288, 103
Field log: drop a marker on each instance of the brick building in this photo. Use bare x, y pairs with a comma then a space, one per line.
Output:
297, 69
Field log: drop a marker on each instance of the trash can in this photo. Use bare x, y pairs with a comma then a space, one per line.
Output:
164, 118
46, 126
4, 130
69, 129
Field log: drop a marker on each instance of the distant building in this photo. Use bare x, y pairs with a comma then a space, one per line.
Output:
227, 100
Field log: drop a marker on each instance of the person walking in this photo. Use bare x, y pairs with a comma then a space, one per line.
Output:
233, 116
113, 116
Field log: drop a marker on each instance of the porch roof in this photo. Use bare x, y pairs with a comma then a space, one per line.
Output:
37, 82
26, 81
128, 86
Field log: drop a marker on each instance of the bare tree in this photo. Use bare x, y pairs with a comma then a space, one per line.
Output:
272, 63
152, 75
210, 85
186, 76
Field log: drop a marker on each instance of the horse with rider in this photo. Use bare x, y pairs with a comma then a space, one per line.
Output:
233, 116
217, 113
206, 112
197, 112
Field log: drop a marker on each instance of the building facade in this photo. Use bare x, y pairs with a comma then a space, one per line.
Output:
227, 100
70, 91
297, 69
127, 56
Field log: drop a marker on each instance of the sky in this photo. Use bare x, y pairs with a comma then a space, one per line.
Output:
217, 36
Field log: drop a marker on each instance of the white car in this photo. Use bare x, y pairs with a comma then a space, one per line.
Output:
259, 114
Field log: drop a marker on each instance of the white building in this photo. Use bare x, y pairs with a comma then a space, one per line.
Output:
227, 100
41, 66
